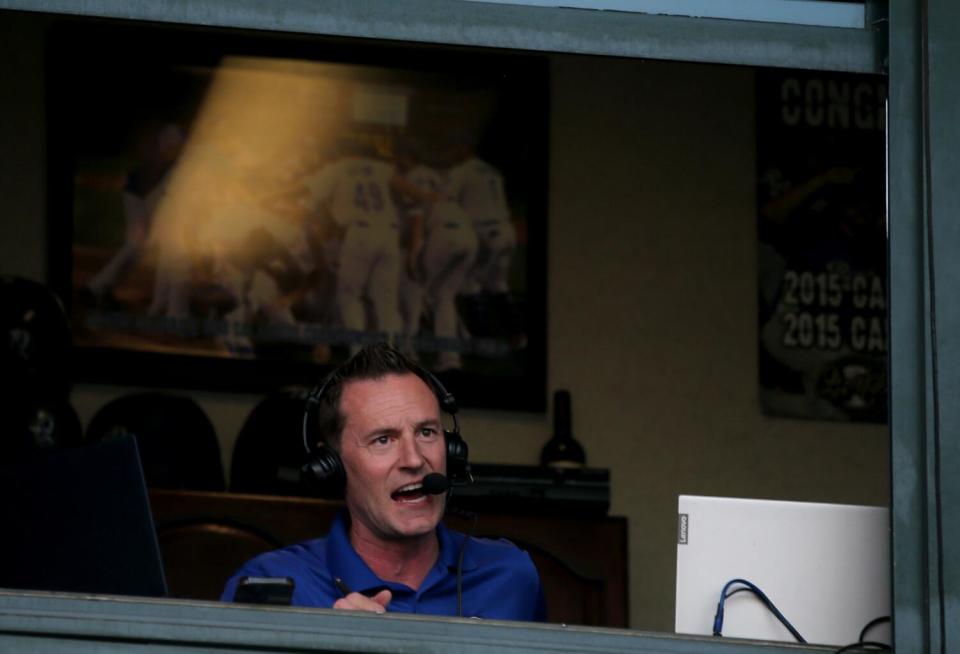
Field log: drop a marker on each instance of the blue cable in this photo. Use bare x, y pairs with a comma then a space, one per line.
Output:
718, 618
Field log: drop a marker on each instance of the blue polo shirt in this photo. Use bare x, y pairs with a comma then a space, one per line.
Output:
499, 579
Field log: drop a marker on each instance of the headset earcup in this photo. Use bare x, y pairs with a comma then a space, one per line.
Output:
458, 466
324, 473
457, 457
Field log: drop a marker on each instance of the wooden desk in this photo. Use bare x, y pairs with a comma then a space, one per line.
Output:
205, 537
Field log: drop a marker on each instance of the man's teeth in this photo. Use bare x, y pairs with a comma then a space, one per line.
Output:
410, 493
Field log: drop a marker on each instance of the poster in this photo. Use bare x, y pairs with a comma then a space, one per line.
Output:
822, 245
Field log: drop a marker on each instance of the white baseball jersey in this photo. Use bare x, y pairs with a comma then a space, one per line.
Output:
357, 189
478, 188
358, 194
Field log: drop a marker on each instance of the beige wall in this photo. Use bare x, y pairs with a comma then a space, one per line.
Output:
652, 300
653, 252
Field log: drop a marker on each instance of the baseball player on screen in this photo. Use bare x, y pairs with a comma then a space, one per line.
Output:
441, 252
355, 191
478, 188
146, 185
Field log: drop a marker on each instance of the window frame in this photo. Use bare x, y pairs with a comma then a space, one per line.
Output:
924, 318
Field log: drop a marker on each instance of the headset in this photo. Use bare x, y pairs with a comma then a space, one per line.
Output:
324, 469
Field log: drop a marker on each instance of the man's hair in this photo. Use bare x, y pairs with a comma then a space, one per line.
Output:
372, 362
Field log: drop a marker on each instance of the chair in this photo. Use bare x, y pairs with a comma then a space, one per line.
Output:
269, 451
178, 444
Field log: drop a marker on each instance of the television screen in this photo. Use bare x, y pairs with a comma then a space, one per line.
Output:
238, 210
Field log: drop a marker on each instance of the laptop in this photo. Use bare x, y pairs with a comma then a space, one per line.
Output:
79, 520
825, 566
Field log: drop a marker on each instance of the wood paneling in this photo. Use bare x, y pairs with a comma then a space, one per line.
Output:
204, 537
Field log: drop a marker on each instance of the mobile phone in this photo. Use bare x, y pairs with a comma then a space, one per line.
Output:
276, 591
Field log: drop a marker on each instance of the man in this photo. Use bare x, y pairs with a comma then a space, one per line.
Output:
355, 193
441, 250
388, 551
157, 149
478, 187
486, 305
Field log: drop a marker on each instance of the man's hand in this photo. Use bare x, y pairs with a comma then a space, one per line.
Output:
357, 602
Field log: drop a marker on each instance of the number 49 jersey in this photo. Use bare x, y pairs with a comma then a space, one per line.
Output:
357, 191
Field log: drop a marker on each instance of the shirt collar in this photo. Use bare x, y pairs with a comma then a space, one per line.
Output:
450, 544
344, 562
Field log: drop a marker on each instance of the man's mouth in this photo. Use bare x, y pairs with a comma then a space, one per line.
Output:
409, 493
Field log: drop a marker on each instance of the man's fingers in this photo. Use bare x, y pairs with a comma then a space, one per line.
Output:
383, 597
357, 602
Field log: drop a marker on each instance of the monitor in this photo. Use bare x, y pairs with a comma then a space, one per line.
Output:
78, 520
825, 566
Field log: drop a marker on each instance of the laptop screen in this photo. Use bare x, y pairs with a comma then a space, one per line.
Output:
79, 520
825, 566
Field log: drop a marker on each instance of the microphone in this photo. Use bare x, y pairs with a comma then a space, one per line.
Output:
435, 483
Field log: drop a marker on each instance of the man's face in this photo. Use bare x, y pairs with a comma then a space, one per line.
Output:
391, 439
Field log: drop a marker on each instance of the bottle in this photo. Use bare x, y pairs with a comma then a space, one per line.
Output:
562, 450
